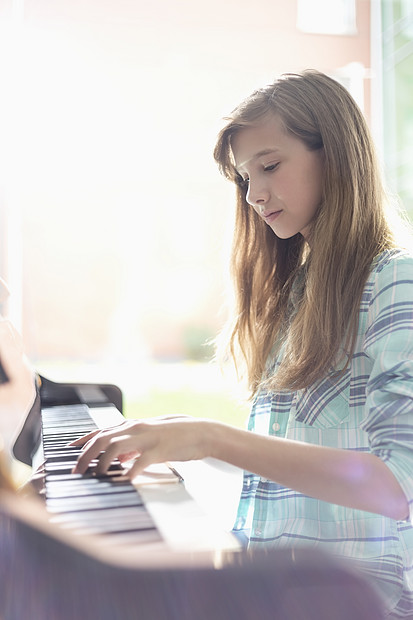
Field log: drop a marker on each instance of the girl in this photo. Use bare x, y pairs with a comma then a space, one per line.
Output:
323, 327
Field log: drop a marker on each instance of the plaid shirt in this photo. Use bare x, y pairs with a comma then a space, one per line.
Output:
370, 409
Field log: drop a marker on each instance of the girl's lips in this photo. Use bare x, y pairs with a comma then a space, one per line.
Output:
271, 216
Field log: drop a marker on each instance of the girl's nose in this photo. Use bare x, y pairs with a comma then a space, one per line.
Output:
257, 197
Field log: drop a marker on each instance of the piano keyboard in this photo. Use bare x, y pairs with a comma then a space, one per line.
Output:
108, 505
155, 511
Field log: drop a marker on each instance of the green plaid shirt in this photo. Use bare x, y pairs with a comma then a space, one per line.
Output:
369, 408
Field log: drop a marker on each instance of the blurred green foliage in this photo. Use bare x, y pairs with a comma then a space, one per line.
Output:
214, 405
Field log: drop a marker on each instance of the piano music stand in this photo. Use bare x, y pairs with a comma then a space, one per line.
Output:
51, 394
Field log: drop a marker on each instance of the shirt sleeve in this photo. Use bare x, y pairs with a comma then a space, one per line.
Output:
389, 346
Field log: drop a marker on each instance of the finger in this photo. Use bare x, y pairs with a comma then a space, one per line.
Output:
116, 446
84, 439
142, 463
124, 458
93, 444
91, 452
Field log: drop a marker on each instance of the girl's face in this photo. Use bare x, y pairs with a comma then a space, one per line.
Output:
284, 178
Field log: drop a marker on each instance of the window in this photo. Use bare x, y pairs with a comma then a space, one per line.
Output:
397, 52
327, 16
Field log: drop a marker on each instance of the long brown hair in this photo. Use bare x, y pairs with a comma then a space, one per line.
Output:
349, 231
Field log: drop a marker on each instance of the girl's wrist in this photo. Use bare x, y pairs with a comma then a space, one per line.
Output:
216, 436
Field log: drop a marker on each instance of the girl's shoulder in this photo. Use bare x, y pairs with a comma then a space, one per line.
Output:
394, 260
391, 270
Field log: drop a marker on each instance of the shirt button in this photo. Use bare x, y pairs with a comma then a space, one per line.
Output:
257, 531
275, 427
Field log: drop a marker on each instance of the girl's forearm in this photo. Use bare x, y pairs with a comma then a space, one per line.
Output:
345, 477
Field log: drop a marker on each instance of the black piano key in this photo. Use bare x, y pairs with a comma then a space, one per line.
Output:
51, 468
135, 537
120, 528
59, 445
55, 457
85, 491
90, 484
92, 502
129, 537
62, 477
80, 480
63, 439
65, 467
120, 518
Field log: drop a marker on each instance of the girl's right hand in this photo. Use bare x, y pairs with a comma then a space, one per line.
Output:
150, 441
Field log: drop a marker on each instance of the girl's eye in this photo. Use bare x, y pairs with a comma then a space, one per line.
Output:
271, 167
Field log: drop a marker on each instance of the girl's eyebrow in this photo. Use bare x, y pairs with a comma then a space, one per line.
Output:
257, 156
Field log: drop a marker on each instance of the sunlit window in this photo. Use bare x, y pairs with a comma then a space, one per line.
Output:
115, 224
327, 16
397, 40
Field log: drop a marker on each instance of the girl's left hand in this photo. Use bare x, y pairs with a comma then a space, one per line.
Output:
147, 441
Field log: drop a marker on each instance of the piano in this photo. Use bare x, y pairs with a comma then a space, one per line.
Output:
156, 512
46, 573
106, 548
